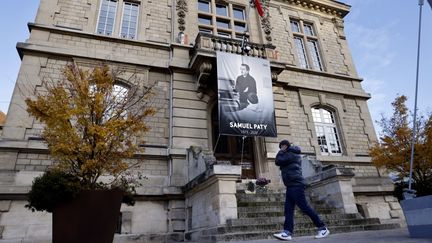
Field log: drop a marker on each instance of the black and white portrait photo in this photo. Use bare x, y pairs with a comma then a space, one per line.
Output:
245, 96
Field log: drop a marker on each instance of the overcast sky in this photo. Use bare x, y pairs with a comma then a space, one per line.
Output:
382, 35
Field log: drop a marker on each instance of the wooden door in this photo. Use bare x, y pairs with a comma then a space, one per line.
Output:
238, 150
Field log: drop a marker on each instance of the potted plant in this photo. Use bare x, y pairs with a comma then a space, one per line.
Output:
261, 185
91, 128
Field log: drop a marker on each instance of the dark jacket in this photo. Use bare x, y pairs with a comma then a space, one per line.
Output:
246, 86
289, 162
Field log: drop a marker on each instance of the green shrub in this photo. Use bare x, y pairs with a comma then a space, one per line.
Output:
51, 188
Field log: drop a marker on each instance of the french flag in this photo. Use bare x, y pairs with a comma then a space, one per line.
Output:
259, 7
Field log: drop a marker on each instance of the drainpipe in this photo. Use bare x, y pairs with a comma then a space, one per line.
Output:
170, 132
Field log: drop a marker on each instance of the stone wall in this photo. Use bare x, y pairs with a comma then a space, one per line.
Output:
144, 218
336, 56
19, 222
65, 31
154, 22
210, 199
386, 208
190, 114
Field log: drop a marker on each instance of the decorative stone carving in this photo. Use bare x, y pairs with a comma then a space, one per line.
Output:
339, 24
204, 71
196, 150
265, 21
331, 10
274, 75
181, 13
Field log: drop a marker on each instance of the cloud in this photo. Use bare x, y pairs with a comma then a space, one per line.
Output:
372, 47
377, 88
379, 104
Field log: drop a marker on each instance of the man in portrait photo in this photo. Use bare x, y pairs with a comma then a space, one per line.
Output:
246, 87
245, 96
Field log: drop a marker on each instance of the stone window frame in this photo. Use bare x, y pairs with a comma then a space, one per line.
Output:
334, 125
214, 19
120, 95
310, 56
104, 31
117, 23
128, 35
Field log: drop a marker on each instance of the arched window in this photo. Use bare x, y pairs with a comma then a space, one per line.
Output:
326, 130
114, 101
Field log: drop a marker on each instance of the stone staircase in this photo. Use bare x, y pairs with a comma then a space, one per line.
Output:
261, 215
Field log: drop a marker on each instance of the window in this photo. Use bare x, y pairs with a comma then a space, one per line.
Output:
205, 20
223, 19
204, 6
306, 44
326, 130
128, 23
239, 13
107, 17
222, 10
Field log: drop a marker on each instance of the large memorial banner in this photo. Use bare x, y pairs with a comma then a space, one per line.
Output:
245, 96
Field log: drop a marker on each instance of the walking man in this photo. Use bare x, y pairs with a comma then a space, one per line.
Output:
289, 161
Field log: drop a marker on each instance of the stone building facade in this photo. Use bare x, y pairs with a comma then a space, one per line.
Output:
319, 105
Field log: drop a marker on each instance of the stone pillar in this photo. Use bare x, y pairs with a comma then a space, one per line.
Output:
211, 199
176, 218
179, 170
335, 188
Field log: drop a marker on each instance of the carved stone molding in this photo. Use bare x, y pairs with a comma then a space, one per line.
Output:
203, 73
274, 75
339, 23
181, 13
334, 9
265, 21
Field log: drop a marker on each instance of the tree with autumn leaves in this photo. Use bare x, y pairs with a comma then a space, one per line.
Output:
92, 124
393, 151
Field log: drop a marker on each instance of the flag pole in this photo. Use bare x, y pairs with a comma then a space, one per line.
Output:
414, 132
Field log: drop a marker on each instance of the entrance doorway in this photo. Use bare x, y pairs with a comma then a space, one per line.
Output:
229, 148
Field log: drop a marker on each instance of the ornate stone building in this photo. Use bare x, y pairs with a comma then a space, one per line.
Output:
319, 102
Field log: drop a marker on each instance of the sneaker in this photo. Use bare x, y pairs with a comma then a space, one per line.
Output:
283, 236
322, 233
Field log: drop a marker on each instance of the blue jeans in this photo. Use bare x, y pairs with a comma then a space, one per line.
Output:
295, 195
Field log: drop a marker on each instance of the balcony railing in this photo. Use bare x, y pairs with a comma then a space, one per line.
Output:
203, 55
207, 42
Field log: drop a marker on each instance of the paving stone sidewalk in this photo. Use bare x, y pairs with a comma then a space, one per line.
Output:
379, 236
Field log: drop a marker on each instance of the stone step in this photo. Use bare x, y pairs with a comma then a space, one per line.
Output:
259, 235
299, 226
280, 206
299, 218
256, 213
263, 198
274, 203
260, 197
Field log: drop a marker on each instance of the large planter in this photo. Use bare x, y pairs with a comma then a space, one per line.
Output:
418, 214
91, 217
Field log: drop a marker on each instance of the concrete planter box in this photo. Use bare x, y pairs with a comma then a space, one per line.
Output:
418, 214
